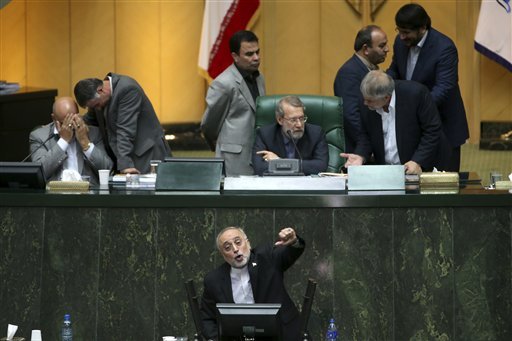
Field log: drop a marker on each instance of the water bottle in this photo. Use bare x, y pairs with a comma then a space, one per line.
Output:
67, 331
332, 331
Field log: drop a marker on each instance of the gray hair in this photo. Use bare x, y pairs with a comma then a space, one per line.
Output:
217, 240
294, 101
377, 84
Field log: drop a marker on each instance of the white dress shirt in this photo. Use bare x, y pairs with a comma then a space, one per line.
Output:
412, 58
241, 285
389, 130
69, 148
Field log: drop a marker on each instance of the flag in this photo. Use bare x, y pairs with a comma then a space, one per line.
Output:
493, 36
221, 19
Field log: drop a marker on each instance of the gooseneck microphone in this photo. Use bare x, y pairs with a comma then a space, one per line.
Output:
52, 135
289, 133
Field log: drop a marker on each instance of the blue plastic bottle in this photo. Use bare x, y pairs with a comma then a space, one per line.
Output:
67, 331
332, 331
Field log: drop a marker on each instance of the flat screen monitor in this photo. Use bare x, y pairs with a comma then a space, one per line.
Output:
260, 321
22, 175
190, 174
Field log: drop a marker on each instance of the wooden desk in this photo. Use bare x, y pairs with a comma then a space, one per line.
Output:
21, 112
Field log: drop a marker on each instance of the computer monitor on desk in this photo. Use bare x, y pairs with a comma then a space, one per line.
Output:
22, 175
249, 321
190, 174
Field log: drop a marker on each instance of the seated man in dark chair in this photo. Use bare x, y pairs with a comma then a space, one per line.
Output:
291, 137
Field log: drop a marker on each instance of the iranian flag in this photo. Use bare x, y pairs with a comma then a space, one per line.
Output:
221, 19
493, 36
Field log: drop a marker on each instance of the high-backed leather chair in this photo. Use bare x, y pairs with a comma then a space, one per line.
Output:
325, 111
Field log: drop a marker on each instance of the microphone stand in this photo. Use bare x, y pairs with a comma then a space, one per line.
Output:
289, 133
52, 135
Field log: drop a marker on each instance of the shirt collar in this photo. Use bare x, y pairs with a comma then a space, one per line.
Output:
246, 74
422, 41
391, 105
366, 63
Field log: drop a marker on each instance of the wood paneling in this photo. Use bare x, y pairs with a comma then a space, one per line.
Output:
303, 43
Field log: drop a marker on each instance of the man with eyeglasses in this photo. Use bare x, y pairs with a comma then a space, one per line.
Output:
252, 276
425, 55
400, 124
291, 138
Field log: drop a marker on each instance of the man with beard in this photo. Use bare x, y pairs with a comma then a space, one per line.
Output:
400, 125
274, 141
371, 48
425, 55
228, 121
252, 276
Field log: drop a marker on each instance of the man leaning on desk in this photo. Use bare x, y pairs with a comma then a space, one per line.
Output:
68, 144
291, 138
400, 124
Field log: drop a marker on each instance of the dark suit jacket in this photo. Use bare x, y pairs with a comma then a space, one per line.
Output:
346, 85
133, 131
436, 68
312, 147
267, 265
52, 157
418, 127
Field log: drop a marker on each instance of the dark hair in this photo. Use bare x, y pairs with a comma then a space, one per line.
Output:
240, 36
412, 17
86, 89
364, 36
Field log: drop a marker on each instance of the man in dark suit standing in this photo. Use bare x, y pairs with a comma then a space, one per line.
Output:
371, 48
400, 125
252, 276
278, 140
68, 144
124, 114
424, 55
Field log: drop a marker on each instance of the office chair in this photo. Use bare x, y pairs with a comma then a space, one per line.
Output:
325, 111
306, 309
193, 302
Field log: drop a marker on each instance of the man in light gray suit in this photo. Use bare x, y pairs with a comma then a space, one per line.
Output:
68, 143
228, 122
126, 118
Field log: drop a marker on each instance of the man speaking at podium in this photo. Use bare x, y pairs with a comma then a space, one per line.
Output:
252, 276
291, 138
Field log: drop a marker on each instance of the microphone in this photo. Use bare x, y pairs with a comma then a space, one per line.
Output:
289, 133
52, 135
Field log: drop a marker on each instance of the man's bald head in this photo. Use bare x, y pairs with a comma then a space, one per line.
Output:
63, 106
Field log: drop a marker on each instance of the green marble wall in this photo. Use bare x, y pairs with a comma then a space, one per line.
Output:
383, 273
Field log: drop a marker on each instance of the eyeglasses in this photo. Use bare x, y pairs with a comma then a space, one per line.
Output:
296, 120
227, 246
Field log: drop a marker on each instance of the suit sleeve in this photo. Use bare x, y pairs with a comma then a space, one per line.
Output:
259, 165
393, 68
218, 101
364, 146
99, 158
320, 159
208, 312
286, 256
446, 77
348, 89
51, 158
128, 112
430, 123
